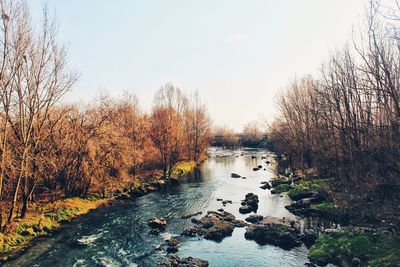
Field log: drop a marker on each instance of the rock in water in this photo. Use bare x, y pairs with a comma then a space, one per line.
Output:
158, 223
245, 209
215, 225
274, 231
174, 261
249, 204
265, 185
235, 175
254, 218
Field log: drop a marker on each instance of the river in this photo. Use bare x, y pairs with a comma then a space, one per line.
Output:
118, 234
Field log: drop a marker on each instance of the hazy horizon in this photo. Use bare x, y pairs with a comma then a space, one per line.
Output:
237, 54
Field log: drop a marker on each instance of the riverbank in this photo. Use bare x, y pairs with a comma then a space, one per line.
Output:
354, 239
45, 218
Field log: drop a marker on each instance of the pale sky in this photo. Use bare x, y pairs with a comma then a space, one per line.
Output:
237, 54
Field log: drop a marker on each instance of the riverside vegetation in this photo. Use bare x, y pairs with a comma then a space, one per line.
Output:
338, 137
59, 161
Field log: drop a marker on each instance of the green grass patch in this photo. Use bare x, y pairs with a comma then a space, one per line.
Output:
281, 188
339, 248
324, 206
317, 185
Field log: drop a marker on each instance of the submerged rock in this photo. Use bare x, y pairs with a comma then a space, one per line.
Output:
226, 202
170, 246
175, 261
188, 216
274, 231
155, 231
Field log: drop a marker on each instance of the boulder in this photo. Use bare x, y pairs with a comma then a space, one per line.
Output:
274, 231
265, 186
254, 218
172, 245
250, 201
245, 209
158, 223
235, 175
256, 169
215, 225
175, 261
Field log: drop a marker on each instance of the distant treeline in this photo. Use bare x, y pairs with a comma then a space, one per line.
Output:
50, 151
252, 136
346, 122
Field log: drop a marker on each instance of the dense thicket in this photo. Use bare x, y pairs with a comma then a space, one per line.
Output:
50, 151
346, 123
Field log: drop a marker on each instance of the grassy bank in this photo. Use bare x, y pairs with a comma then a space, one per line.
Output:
374, 245
371, 249
182, 168
43, 219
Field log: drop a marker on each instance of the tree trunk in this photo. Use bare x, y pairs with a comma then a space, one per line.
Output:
25, 200
16, 189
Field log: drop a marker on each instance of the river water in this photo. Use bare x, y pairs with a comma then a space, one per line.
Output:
118, 235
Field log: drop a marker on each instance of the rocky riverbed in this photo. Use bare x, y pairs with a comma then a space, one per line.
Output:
195, 222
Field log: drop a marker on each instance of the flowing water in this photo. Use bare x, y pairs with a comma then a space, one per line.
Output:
118, 235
